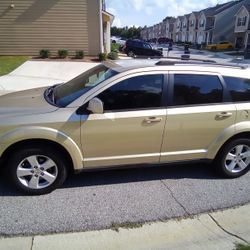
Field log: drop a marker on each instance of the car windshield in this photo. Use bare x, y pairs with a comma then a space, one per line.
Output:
66, 93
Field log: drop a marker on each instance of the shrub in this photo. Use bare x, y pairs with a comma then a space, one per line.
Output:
62, 53
114, 47
44, 53
79, 54
102, 56
113, 55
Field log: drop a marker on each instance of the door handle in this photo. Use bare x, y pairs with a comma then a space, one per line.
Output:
224, 115
150, 120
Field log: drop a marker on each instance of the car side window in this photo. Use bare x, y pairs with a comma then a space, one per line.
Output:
239, 88
146, 46
140, 92
196, 89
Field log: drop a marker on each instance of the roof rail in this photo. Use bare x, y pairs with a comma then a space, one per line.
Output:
197, 62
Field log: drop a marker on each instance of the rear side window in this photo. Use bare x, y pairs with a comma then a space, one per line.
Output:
239, 88
196, 89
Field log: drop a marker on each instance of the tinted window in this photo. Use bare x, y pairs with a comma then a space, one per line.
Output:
134, 93
196, 89
239, 88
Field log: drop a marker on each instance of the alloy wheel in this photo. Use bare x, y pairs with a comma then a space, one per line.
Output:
37, 172
238, 158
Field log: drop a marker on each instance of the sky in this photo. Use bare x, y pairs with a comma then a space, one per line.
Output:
150, 12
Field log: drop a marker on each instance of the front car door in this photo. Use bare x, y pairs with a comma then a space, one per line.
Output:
197, 115
130, 129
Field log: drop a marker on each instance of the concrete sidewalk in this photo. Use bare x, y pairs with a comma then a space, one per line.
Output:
219, 230
34, 74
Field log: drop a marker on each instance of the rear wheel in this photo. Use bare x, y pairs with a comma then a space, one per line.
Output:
234, 159
214, 48
37, 170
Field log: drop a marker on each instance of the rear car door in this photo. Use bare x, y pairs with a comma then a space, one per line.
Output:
199, 112
239, 89
130, 129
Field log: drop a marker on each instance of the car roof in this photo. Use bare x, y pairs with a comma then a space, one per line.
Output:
175, 64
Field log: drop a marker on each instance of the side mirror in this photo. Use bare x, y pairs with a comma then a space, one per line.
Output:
95, 106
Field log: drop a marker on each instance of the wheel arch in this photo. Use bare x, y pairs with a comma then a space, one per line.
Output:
30, 135
241, 135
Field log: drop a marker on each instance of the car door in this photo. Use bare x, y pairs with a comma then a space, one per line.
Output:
147, 50
198, 113
130, 129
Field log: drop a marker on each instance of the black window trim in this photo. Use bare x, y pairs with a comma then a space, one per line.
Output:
225, 97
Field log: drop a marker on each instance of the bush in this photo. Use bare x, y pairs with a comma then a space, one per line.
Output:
44, 53
113, 55
114, 47
79, 54
102, 56
62, 53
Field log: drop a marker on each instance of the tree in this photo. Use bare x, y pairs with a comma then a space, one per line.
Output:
127, 32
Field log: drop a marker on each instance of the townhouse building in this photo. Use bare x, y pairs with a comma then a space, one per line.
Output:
242, 26
27, 26
228, 22
193, 27
185, 28
178, 29
170, 28
215, 24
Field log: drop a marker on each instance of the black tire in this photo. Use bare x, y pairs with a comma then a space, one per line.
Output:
213, 48
220, 161
21, 154
131, 54
230, 47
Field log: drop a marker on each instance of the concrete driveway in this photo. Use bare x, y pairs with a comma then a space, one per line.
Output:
33, 74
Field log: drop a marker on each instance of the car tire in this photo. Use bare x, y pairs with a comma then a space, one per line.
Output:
233, 159
37, 170
213, 48
230, 47
131, 53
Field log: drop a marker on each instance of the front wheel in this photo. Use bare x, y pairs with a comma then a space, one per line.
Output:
234, 159
37, 170
131, 54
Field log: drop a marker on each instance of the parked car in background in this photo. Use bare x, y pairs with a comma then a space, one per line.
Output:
225, 45
140, 48
127, 113
119, 40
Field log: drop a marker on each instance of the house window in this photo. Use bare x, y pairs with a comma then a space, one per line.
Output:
244, 21
241, 21
202, 23
192, 23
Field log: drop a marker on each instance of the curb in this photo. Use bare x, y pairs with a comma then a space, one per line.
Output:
217, 230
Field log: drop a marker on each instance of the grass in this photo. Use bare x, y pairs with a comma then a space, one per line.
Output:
242, 247
125, 225
9, 63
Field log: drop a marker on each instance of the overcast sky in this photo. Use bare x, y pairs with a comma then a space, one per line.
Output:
149, 12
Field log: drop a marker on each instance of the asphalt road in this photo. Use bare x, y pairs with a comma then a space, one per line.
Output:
98, 200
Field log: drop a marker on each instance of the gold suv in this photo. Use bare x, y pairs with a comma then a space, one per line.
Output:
126, 113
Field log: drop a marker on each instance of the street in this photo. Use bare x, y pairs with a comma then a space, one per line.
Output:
98, 200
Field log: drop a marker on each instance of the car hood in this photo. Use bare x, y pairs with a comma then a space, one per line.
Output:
25, 102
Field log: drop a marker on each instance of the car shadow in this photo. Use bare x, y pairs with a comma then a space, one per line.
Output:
129, 175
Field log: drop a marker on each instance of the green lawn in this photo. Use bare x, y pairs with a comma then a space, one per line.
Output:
9, 63
242, 247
